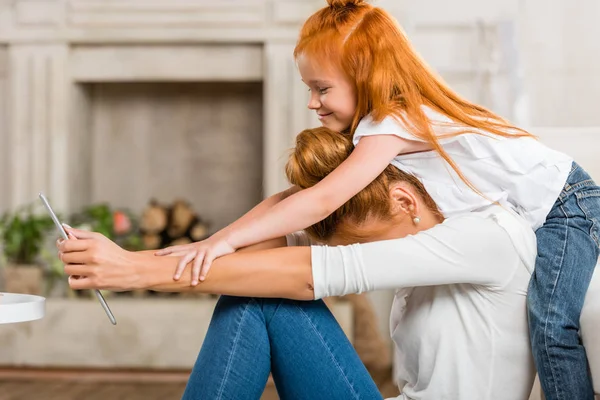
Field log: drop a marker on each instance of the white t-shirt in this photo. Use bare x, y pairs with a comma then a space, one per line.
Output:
459, 320
519, 173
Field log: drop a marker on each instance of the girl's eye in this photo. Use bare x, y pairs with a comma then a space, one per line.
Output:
323, 90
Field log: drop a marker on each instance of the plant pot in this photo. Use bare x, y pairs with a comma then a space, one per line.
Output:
23, 279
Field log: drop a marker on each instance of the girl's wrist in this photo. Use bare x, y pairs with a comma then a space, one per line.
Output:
230, 239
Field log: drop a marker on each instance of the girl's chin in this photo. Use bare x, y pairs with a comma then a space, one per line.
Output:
333, 125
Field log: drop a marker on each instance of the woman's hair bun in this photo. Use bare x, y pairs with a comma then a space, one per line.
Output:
317, 153
344, 3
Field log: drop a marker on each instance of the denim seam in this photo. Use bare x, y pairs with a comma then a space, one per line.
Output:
314, 328
550, 359
592, 233
569, 189
233, 349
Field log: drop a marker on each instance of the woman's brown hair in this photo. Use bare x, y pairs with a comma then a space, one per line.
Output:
317, 153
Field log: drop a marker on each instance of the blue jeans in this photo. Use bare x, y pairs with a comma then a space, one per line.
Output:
299, 342
568, 249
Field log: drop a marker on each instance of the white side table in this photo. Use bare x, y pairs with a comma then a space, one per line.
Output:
21, 307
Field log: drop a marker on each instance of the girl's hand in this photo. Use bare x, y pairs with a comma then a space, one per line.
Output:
202, 253
95, 262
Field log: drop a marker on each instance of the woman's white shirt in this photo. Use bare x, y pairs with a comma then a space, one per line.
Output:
459, 320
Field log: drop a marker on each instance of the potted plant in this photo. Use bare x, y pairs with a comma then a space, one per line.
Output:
117, 224
22, 234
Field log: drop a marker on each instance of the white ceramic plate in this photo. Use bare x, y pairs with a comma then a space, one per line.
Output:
21, 307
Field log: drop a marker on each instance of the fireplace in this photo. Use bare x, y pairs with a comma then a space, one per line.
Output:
199, 141
125, 101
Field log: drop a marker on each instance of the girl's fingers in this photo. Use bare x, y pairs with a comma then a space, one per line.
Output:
196, 268
163, 252
174, 249
182, 264
205, 268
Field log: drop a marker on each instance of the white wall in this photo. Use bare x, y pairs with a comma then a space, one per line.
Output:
557, 45
562, 50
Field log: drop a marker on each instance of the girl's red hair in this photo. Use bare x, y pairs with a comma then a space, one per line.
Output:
390, 77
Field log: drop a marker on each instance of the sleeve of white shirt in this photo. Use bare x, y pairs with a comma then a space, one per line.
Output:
388, 126
466, 249
392, 125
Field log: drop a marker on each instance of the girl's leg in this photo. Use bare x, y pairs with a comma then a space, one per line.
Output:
300, 342
567, 255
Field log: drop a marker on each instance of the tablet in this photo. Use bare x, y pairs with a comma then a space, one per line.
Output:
64, 235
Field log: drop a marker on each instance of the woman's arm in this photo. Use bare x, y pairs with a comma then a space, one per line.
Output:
282, 272
101, 264
466, 249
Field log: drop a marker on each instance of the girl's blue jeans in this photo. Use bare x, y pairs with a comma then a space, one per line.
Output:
567, 255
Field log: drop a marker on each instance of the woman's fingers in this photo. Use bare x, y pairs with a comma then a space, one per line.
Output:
79, 283
67, 246
79, 233
77, 257
77, 270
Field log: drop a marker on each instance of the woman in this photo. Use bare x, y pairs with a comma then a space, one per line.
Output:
459, 316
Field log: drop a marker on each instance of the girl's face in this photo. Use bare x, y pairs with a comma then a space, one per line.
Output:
332, 95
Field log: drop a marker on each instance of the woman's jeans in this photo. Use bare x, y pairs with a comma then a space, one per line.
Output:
567, 255
299, 342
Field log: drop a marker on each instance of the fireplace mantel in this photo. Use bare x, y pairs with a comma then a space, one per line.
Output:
48, 47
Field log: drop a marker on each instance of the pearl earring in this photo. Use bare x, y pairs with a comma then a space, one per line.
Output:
416, 220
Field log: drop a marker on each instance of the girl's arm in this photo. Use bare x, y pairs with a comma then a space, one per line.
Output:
268, 244
259, 210
306, 207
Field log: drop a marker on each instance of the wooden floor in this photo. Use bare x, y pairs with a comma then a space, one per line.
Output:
101, 385
48, 390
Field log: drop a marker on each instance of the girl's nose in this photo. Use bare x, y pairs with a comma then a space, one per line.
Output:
313, 102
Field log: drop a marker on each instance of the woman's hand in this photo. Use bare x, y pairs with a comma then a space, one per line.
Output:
92, 261
203, 253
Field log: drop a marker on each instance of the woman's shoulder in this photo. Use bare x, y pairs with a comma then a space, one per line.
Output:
497, 225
